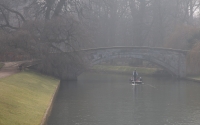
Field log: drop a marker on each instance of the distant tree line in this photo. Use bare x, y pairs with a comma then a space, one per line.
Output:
39, 27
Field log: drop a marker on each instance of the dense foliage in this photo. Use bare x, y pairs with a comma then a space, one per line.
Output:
38, 27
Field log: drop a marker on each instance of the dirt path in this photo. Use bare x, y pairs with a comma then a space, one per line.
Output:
9, 68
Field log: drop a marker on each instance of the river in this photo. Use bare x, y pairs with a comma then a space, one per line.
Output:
108, 99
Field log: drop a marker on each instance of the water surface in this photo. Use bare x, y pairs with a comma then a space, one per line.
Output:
106, 99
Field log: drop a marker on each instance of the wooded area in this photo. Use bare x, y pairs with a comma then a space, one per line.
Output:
37, 27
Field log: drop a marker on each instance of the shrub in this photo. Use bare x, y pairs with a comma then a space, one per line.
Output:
179, 39
1, 65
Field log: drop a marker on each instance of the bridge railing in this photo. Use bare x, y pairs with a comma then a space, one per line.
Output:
137, 47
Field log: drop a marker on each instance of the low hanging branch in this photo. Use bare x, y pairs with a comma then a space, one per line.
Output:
2, 8
13, 11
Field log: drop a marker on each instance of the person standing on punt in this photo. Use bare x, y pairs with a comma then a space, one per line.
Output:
135, 74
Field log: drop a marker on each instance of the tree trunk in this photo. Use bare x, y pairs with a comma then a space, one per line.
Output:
49, 7
59, 8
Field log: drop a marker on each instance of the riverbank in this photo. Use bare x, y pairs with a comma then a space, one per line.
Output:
141, 70
128, 70
194, 78
25, 98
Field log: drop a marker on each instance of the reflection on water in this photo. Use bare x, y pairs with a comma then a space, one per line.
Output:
105, 99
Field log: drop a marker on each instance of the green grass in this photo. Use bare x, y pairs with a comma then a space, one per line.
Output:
124, 69
24, 98
1, 65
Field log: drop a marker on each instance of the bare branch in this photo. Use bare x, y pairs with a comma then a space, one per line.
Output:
13, 11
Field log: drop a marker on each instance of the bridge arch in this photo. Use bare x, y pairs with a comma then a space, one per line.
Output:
172, 60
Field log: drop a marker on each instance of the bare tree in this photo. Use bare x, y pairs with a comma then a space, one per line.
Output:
6, 12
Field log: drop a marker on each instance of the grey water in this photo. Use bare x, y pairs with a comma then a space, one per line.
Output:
108, 99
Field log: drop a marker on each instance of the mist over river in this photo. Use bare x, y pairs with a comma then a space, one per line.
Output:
109, 99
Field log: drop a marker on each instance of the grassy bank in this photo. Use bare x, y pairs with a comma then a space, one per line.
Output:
124, 69
129, 70
24, 98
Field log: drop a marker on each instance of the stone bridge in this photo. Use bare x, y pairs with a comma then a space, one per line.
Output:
172, 60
